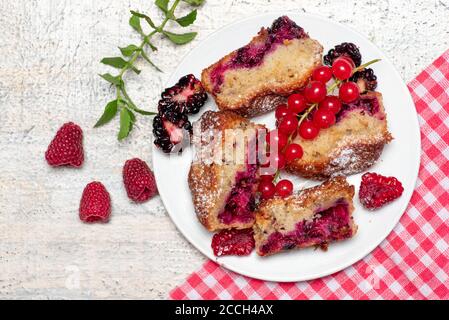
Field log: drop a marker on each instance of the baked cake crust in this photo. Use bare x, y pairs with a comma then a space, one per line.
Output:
273, 88
281, 215
353, 152
211, 183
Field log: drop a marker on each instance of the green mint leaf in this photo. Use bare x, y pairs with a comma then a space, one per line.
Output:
134, 22
121, 103
125, 124
144, 55
129, 50
180, 38
137, 14
188, 19
132, 107
134, 69
144, 16
119, 63
109, 113
150, 22
133, 119
131, 116
162, 4
152, 46
145, 113
116, 62
194, 2
111, 79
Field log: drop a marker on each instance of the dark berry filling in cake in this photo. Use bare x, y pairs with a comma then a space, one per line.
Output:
241, 203
326, 226
367, 103
252, 54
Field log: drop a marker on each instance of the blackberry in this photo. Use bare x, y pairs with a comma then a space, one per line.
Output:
171, 126
187, 96
171, 130
345, 49
365, 79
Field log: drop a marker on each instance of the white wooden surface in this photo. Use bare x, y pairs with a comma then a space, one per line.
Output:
48, 75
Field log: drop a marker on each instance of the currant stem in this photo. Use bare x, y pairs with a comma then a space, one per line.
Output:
334, 86
363, 66
276, 176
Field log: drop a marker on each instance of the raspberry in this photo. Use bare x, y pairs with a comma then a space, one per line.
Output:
66, 148
377, 190
187, 96
95, 205
233, 242
344, 49
139, 180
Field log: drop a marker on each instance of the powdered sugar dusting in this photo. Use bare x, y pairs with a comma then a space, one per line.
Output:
350, 146
212, 182
264, 104
354, 159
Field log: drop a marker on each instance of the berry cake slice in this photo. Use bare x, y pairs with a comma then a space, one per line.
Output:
223, 176
352, 145
313, 217
255, 78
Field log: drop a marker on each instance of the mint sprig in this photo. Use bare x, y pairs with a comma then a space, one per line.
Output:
123, 105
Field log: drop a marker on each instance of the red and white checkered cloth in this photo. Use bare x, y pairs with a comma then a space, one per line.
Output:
412, 263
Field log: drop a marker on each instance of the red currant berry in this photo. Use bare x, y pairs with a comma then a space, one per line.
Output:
349, 92
288, 124
281, 111
279, 161
274, 162
342, 68
292, 152
347, 58
284, 188
315, 91
323, 118
308, 130
331, 103
275, 136
297, 103
322, 74
265, 171
267, 177
267, 189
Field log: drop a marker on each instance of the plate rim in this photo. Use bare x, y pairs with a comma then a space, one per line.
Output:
385, 234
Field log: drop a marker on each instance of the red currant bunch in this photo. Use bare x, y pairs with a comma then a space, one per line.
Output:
307, 112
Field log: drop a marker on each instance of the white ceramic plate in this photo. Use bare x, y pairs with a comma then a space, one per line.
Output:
400, 158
